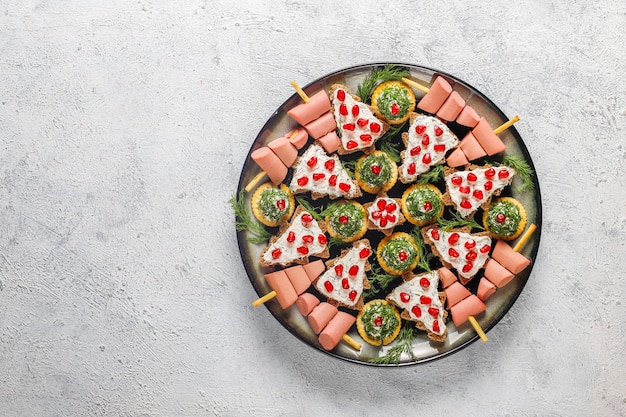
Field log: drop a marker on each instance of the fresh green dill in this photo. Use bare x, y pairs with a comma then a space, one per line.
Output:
404, 344
523, 170
458, 221
315, 212
425, 255
387, 143
379, 281
349, 166
434, 175
378, 76
244, 220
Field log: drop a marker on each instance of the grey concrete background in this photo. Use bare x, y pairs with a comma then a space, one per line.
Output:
123, 129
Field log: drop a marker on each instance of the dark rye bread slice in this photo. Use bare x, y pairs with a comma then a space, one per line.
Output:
427, 239
447, 200
284, 227
384, 125
366, 284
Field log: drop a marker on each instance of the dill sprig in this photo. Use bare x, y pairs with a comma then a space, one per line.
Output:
424, 255
377, 76
315, 212
523, 170
404, 344
458, 221
244, 220
388, 145
434, 175
379, 281
349, 166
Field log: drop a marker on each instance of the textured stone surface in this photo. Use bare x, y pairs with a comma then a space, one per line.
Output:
123, 129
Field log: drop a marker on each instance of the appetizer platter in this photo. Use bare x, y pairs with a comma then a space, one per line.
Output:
388, 214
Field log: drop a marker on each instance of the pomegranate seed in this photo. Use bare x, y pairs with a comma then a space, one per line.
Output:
438, 131
339, 270
391, 207
405, 297
424, 299
381, 204
317, 177
417, 312
362, 122
425, 140
395, 109
303, 250
332, 180
503, 174
383, 222
352, 295
467, 267
345, 284
312, 162
419, 129
375, 127
308, 239
436, 326
306, 218
391, 218
343, 110
365, 137
490, 173
466, 204
464, 190
478, 195
453, 238
424, 282
349, 126
439, 148
428, 206
470, 244
365, 252
403, 256
329, 286
341, 94
343, 219
322, 239
354, 269
426, 159
471, 177
302, 181
485, 249
281, 204
355, 110
488, 186
471, 255
344, 187
453, 253
411, 169
375, 169
415, 151
433, 311
276, 253
500, 218
434, 234
351, 144
376, 215
378, 321
330, 164
291, 237
456, 180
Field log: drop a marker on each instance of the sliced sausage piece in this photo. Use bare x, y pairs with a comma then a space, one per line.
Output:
452, 107
298, 278
471, 148
485, 289
279, 282
306, 303
497, 274
489, 141
455, 293
330, 142
334, 331
269, 162
298, 137
305, 113
436, 96
284, 149
314, 269
319, 127
468, 117
470, 306
321, 315
508, 258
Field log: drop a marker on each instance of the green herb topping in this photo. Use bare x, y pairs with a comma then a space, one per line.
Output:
377, 76
375, 169
274, 203
244, 220
503, 218
346, 219
394, 102
379, 320
424, 203
399, 254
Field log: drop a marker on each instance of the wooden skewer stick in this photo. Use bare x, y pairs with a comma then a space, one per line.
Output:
415, 85
518, 246
506, 125
350, 341
300, 92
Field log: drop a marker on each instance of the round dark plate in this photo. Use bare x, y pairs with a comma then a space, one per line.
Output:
424, 350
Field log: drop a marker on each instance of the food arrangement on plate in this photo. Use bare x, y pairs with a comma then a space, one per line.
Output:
384, 212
